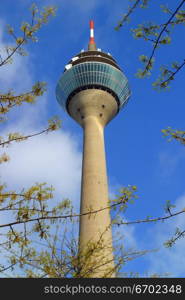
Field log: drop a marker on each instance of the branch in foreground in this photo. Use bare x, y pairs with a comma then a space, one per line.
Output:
29, 30
9, 100
147, 220
4, 61
178, 234
54, 124
125, 18
149, 63
166, 82
21, 138
59, 217
178, 135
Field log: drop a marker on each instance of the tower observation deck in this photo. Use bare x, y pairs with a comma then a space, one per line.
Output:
93, 89
92, 70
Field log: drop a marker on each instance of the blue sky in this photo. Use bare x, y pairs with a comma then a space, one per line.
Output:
137, 154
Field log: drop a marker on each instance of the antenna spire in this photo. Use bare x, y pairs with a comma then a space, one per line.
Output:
92, 44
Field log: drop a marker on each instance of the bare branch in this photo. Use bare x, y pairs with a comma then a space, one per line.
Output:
147, 220
179, 235
178, 135
170, 23
25, 137
3, 62
125, 18
59, 217
160, 34
171, 77
11, 97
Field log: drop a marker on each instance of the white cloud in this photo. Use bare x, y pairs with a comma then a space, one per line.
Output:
15, 74
169, 260
53, 158
128, 234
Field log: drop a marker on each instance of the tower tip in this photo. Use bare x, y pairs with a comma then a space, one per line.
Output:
92, 44
91, 22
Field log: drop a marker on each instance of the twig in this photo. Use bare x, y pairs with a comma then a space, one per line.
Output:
150, 220
10, 55
60, 217
173, 74
24, 137
160, 34
147, 220
127, 15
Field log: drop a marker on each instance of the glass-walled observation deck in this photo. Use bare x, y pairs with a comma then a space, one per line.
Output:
92, 75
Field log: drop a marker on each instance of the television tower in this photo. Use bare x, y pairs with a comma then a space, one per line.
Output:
93, 89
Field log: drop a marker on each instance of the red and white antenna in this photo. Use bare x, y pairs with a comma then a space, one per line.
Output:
92, 32
92, 44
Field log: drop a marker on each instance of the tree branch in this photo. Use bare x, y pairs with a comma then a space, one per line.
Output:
24, 137
181, 234
160, 34
3, 62
130, 11
147, 220
171, 77
11, 97
60, 217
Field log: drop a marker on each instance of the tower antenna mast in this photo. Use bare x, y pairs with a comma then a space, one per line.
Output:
92, 44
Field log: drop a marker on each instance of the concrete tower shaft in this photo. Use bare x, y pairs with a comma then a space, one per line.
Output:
93, 109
